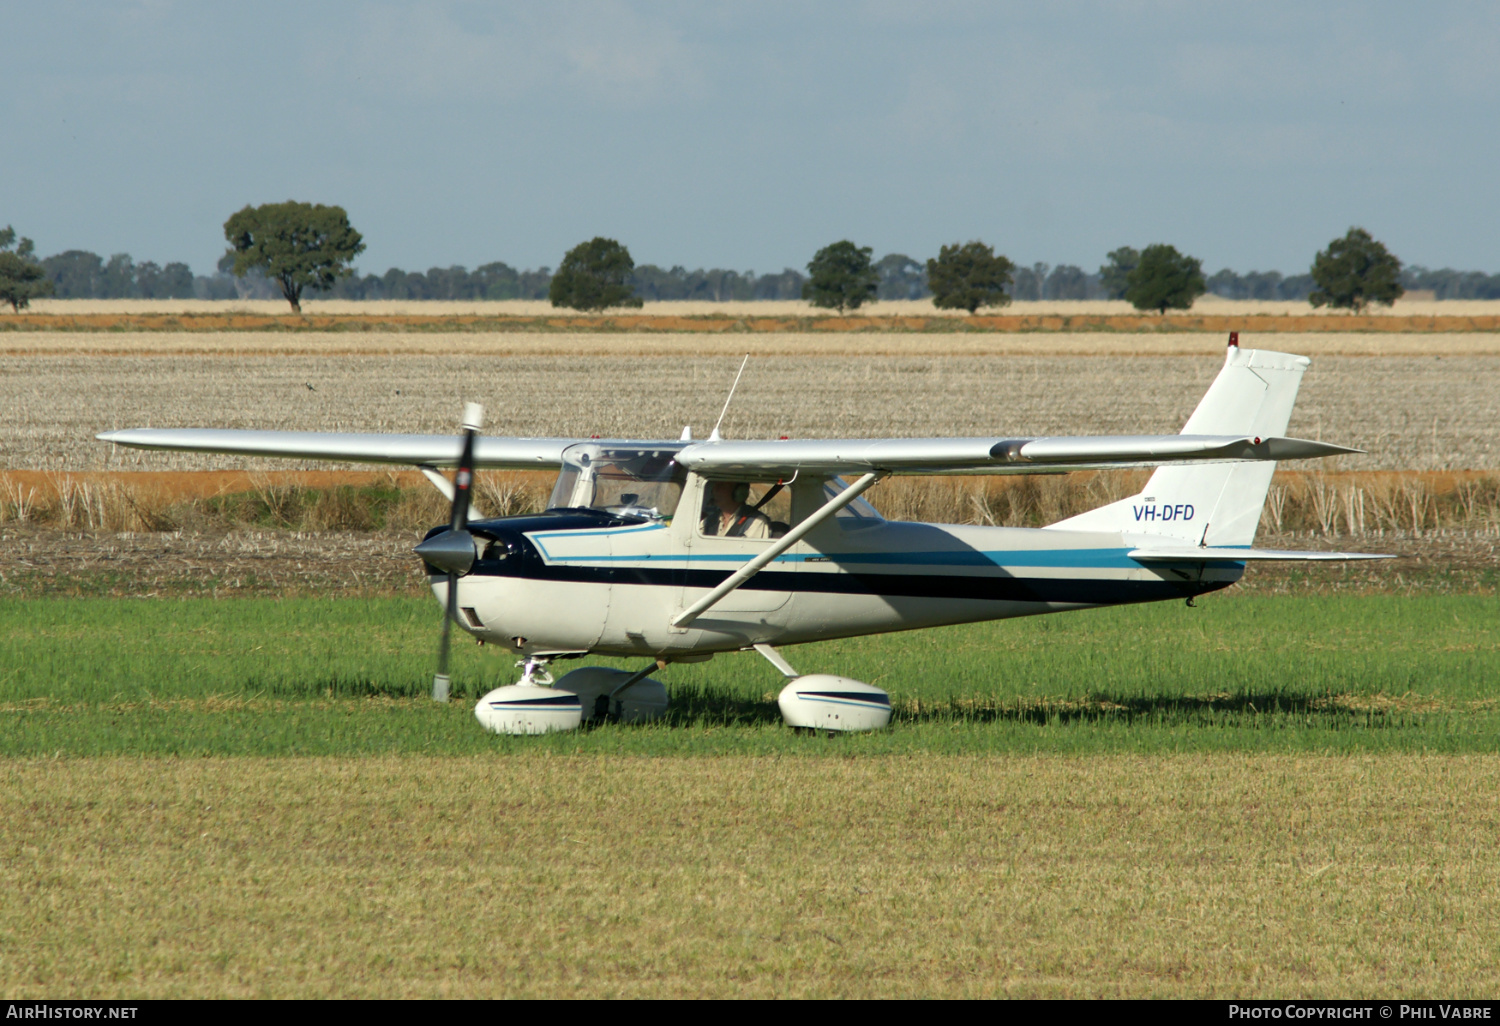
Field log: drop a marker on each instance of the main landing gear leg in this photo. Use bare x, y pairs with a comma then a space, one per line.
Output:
776, 659
606, 705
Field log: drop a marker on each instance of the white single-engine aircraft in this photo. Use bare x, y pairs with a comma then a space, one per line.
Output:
665, 551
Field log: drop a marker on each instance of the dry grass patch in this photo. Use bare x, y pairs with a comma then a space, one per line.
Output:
922, 875
1328, 505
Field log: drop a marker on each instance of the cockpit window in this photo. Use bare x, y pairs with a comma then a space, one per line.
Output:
634, 482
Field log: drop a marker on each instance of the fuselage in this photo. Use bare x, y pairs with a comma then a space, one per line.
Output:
575, 581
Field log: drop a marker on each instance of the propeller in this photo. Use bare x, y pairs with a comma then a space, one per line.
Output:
453, 550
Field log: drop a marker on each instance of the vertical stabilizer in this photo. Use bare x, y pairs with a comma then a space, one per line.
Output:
1215, 503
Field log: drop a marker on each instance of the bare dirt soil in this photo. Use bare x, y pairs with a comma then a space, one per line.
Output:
42, 562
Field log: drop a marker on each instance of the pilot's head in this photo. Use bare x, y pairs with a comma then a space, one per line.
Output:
730, 495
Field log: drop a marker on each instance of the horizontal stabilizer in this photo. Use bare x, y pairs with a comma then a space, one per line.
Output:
1195, 553
1151, 448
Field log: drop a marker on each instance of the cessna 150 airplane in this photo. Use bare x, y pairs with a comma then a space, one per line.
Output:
662, 550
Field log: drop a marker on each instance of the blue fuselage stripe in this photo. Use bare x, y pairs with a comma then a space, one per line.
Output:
1091, 559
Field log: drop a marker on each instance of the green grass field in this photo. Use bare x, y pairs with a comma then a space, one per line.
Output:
349, 676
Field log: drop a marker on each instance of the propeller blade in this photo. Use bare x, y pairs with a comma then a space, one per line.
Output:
454, 550
463, 479
441, 681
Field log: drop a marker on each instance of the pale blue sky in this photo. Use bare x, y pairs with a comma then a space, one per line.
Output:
746, 135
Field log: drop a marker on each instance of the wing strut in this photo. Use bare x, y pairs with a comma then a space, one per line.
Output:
783, 543
445, 486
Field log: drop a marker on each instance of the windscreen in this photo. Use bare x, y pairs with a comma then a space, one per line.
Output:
631, 481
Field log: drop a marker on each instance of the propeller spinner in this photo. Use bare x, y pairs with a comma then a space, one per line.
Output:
453, 551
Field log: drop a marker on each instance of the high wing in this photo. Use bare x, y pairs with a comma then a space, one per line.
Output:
416, 450
988, 455
738, 459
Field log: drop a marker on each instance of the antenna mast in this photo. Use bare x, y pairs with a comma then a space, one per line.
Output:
714, 437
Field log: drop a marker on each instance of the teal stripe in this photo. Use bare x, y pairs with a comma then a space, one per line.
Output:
1096, 559
540, 536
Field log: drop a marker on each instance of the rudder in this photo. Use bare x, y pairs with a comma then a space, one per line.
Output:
1216, 503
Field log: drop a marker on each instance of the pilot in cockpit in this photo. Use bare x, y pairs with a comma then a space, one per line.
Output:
726, 512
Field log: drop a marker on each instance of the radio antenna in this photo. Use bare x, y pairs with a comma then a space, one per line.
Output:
714, 437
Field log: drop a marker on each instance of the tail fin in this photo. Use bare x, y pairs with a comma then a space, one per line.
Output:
1216, 503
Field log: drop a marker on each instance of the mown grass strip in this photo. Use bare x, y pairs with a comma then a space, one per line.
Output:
914, 875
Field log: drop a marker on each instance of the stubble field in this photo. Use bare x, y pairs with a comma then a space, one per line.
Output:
250, 796
1435, 411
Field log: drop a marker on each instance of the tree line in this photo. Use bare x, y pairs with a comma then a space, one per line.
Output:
286, 248
80, 274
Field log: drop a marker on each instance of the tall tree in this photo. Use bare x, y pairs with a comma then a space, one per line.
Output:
76, 273
22, 279
594, 275
901, 277
1164, 278
118, 281
1067, 281
1355, 271
1026, 288
968, 276
296, 245
1039, 272
1113, 275
840, 275
789, 284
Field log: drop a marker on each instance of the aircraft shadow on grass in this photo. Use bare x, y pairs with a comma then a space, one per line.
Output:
723, 707
709, 706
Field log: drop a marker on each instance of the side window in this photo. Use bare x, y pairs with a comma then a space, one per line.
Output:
858, 513
744, 509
